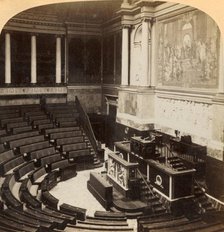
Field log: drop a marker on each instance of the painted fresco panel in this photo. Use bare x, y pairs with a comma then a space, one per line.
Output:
188, 51
130, 105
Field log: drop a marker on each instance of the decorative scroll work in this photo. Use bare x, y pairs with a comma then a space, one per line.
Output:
186, 116
190, 58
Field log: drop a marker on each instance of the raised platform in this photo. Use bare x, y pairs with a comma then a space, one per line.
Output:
118, 203
131, 208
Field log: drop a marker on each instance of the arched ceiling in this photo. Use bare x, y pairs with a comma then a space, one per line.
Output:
10, 8
89, 11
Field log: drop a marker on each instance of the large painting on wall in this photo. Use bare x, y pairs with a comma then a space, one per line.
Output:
188, 51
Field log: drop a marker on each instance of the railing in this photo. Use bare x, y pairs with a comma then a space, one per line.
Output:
166, 151
145, 182
86, 125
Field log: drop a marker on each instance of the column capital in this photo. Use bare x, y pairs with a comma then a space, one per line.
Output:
150, 20
59, 36
5, 31
126, 26
34, 34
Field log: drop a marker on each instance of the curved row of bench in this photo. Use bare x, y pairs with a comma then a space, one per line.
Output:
33, 158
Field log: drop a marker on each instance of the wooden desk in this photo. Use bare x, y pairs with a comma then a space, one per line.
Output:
124, 147
143, 147
172, 184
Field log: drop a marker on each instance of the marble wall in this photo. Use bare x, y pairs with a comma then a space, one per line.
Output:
190, 58
187, 116
136, 108
128, 104
89, 96
136, 53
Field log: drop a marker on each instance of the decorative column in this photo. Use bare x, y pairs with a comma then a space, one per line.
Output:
33, 59
101, 62
153, 52
7, 58
58, 60
115, 58
65, 59
125, 55
145, 80
221, 62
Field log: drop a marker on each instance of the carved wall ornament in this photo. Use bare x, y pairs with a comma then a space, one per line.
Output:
185, 116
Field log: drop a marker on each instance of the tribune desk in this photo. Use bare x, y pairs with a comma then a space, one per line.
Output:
124, 147
170, 183
145, 147
121, 174
136, 151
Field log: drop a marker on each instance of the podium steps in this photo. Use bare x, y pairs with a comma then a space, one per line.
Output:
204, 204
151, 197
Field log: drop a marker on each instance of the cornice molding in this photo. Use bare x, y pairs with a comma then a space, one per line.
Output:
148, 3
171, 11
32, 90
35, 22
191, 95
219, 99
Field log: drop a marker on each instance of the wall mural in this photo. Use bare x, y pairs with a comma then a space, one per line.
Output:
188, 51
130, 104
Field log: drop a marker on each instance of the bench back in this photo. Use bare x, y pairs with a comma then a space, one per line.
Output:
59, 164
4, 156
50, 159
65, 134
74, 147
10, 164
23, 170
24, 141
18, 136
37, 174
34, 146
42, 152
76, 139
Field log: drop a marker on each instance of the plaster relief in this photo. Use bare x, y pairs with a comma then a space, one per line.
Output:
186, 116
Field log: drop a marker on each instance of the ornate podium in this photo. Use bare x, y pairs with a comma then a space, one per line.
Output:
122, 175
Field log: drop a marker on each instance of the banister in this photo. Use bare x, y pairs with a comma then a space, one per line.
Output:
142, 177
85, 122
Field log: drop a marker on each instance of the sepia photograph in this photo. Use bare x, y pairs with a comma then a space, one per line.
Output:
111, 116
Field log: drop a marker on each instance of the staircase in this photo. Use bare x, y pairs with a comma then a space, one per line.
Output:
96, 161
148, 195
96, 151
202, 201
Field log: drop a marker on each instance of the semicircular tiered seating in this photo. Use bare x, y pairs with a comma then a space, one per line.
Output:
40, 147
